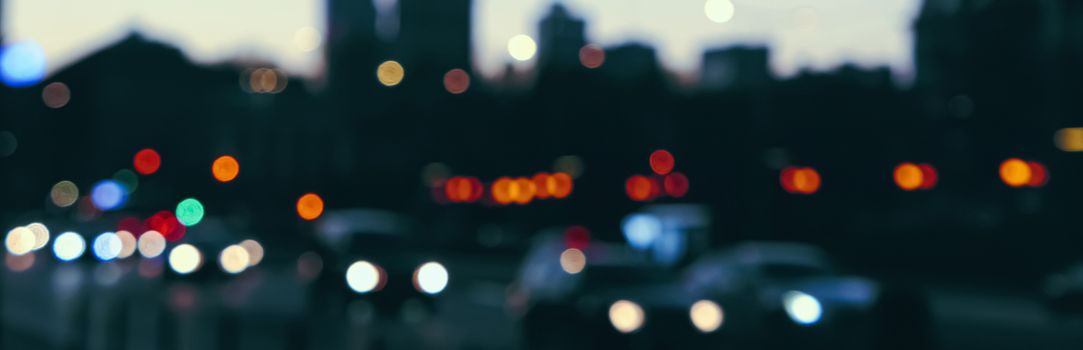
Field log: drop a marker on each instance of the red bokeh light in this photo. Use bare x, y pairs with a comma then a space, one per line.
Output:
147, 161
577, 237
591, 56
662, 162
166, 223
929, 175
132, 224
800, 180
456, 81
675, 184
563, 183
1039, 175
639, 188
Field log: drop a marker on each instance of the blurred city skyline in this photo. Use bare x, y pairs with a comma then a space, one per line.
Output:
801, 35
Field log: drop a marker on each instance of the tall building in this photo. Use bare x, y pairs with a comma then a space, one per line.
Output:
351, 49
735, 68
434, 37
561, 37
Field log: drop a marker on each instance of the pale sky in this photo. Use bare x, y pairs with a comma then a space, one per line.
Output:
801, 33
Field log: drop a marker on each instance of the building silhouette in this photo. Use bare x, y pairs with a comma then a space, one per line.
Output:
735, 68
561, 36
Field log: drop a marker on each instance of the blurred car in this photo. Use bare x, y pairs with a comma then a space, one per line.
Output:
769, 294
375, 258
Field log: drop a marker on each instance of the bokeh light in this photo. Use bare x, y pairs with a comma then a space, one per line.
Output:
19, 241
639, 188
706, 315
19, 263
662, 162
255, 251
562, 185
165, 222
107, 246
41, 234
127, 179
641, 230
522, 47
431, 278
456, 81
591, 56
64, 194
189, 212
307, 39
626, 316
675, 184
501, 190
719, 11
310, 206
225, 168
264, 80
362, 277
800, 180
1015, 172
1069, 139
929, 176
570, 164
69, 246
185, 259
577, 237
147, 161
108, 195
802, 308
573, 260
56, 95
22, 64
233, 259
908, 176
390, 73
522, 190
127, 244
1039, 175
151, 244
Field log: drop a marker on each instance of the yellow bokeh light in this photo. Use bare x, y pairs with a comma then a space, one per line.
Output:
185, 259
706, 315
909, 176
573, 260
390, 73
626, 316
1069, 139
1015, 172
20, 240
522, 47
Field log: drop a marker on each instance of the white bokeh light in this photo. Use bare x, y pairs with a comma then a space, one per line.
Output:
626, 316
431, 278
69, 246
522, 47
185, 259
20, 240
718, 11
802, 308
362, 277
151, 244
706, 315
233, 259
107, 246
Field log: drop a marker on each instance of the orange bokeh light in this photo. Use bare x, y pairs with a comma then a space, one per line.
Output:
1039, 174
1015, 172
802, 180
463, 189
639, 188
225, 168
662, 162
501, 190
563, 185
545, 185
147, 161
909, 177
522, 190
310, 206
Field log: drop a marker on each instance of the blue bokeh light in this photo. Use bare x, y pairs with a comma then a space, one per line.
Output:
108, 195
641, 230
22, 64
107, 246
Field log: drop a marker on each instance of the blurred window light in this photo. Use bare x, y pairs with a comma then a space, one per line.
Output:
108, 195
56, 95
22, 64
641, 230
189, 212
719, 11
225, 168
573, 260
310, 206
151, 244
1015, 172
255, 251
1069, 139
127, 244
64, 194
363, 277
802, 308
307, 39
390, 73
69, 246
522, 47
233, 259
456, 81
431, 278
20, 240
591, 56
662, 162
706, 315
147, 161
185, 259
41, 234
107, 246
626, 316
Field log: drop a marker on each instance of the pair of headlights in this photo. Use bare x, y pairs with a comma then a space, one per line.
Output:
364, 277
627, 316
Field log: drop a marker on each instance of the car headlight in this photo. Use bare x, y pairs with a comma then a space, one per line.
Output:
706, 315
626, 316
802, 308
430, 278
363, 277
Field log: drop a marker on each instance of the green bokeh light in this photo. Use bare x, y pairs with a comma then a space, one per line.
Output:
189, 212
